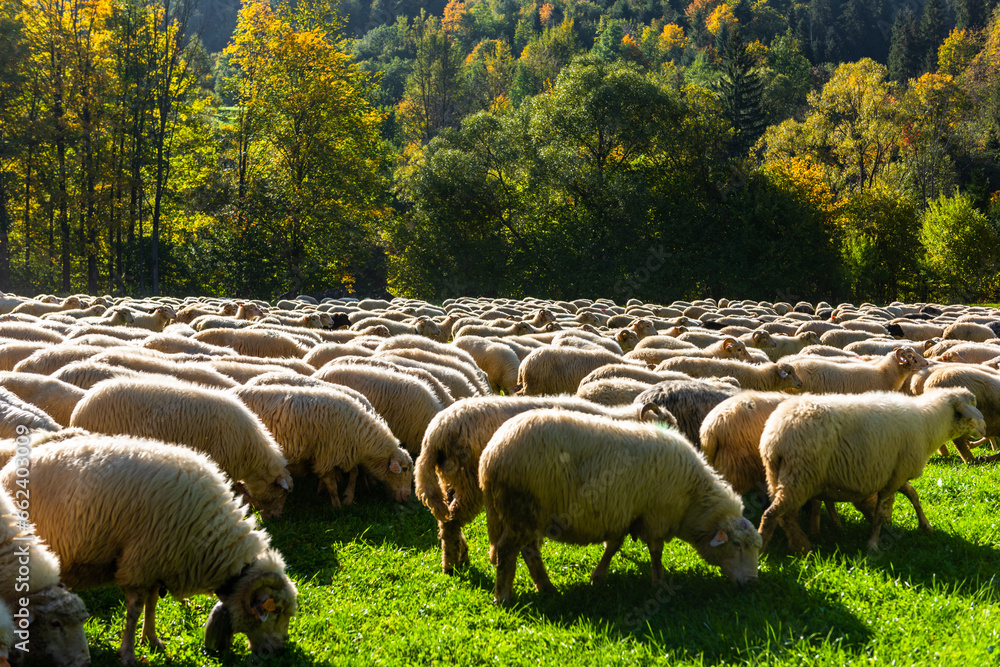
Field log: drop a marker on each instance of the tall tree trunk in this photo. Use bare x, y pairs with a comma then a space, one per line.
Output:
4, 237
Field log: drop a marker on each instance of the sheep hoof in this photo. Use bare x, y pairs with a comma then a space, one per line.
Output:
979, 460
156, 644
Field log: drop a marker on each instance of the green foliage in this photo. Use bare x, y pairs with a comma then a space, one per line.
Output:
963, 249
742, 90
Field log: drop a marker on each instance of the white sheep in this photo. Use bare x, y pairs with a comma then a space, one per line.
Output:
149, 517
848, 447
156, 320
497, 360
689, 401
151, 362
823, 376
406, 403
612, 391
17, 414
727, 348
448, 465
253, 342
584, 479
55, 397
764, 377
209, 421
326, 432
54, 632
559, 370
787, 345
48, 360
323, 353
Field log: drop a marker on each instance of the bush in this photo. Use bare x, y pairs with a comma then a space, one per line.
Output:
962, 248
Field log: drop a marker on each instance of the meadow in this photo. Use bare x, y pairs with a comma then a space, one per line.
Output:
371, 592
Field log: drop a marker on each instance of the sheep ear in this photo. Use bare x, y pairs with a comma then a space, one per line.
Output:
394, 467
900, 354
719, 539
782, 374
649, 412
262, 608
219, 628
757, 336
282, 482
970, 411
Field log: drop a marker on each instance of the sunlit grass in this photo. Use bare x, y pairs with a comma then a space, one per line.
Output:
372, 593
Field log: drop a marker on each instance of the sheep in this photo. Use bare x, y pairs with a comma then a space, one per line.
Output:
54, 633
47, 361
151, 517
29, 333
789, 345
765, 377
240, 372
326, 352
820, 376
394, 328
37, 308
689, 401
730, 437
633, 372
205, 420
483, 331
727, 348
85, 374
127, 335
293, 380
113, 317
554, 370
968, 331
844, 447
256, 343
11, 353
973, 353
406, 403
440, 392
156, 320
915, 331
841, 338
448, 465
584, 479
16, 415
325, 431
457, 385
985, 386
169, 344
497, 360
187, 314
668, 343
147, 361
55, 397
875, 346
612, 391
455, 359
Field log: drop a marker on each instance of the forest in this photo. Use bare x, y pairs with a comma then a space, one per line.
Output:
769, 149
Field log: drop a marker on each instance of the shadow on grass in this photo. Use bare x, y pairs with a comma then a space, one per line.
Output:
691, 614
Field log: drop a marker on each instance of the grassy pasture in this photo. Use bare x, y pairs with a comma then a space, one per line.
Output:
371, 593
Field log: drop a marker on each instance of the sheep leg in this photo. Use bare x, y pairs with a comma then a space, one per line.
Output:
611, 547
450, 533
656, 560
506, 560
774, 514
833, 514
798, 542
328, 483
149, 621
911, 494
883, 510
943, 450
962, 445
352, 478
133, 607
532, 555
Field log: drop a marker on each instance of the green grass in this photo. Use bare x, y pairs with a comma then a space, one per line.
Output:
371, 593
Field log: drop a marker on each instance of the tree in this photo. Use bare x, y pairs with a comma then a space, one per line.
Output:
905, 52
12, 56
933, 30
742, 92
963, 249
433, 89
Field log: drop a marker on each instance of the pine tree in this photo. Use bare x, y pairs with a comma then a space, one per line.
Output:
933, 30
905, 51
742, 91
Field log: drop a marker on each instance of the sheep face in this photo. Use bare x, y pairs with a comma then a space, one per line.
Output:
643, 328
735, 548
967, 420
265, 494
909, 359
787, 378
523, 328
260, 606
735, 349
229, 309
56, 627
763, 340
398, 476
427, 327
627, 339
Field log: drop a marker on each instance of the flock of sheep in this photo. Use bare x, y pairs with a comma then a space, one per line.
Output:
122, 415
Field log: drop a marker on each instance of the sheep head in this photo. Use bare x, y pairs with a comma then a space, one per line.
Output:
651, 412
909, 360
259, 604
643, 328
627, 339
786, 377
735, 349
397, 475
734, 546
267, 494
762, 340
56, 619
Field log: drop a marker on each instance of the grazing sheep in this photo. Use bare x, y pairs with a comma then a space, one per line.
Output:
16, 415
406, 403
456, 384
325, 431
788, 345
633, 372
985, 386
612, 391
113, 317
583, 479
727, 348
497, 360
294, 380
968, 331
689, 401
151, 517
730, 438
55, 397
169, 344
447, 469
765, 377
455, 359
659, 342
323, 353
846, 448
439, 391
821, 376
50, 359
915, 331
12, 353
187, 314
558, 370
127, 335
29, 333
209, 421
841, 338
54, 632
253, 342
85, 374
148, 361
240, 372
37, 308
973, 353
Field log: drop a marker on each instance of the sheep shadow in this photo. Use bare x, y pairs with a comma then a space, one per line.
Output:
691, 615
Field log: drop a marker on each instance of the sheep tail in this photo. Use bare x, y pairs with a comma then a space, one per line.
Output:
428, 486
